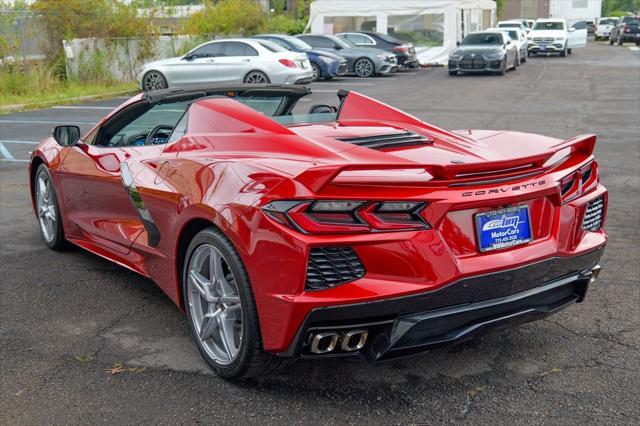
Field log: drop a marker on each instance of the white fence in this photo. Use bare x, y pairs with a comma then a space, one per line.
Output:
120, 58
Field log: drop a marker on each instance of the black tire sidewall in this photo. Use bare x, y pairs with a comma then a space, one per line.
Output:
57, 242
316, 67
250, 324
266, 77
164, 80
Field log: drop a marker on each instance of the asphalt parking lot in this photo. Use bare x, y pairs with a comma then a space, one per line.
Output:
69, 321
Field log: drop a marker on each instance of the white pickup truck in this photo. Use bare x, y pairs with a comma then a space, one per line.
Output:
604, 27
555, 36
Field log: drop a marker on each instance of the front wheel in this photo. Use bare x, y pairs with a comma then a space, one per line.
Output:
610, 41
317, 74
503, 67
563, 53
221, 310
620, 41
569, 51
154, 80
256, 77
47, 210
364, 68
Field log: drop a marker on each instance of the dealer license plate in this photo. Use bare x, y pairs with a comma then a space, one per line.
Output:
503, 228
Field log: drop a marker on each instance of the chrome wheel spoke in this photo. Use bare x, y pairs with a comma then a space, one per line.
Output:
209, 323
225, 335
203, 286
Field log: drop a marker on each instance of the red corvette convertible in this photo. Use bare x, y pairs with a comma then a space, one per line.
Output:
349, 230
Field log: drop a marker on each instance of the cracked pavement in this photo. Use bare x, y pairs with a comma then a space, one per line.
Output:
66, 318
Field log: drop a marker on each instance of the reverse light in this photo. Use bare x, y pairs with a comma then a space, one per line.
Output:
348, 216
288, 63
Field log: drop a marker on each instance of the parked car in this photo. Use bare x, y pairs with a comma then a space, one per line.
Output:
554, 36
353, 230
362, 61
604, 27
628, 29
485, 51
325, 65
404, 51
591, 26
513, 23
228, 61
529, 22
519, 38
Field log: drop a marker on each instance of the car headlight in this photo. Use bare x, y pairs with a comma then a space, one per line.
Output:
559, 38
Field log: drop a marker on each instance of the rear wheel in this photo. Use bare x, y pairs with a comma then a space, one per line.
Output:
317, 74
256, 77
221, 310
364, 68
611, 41
47, 210
569, 51
620, 41
453, 73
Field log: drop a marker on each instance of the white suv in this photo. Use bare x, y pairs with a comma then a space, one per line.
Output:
554, 36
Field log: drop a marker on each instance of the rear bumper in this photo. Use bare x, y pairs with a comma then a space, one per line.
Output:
459, 311
630, 36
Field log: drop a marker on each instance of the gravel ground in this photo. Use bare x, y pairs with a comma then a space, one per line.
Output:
68, 318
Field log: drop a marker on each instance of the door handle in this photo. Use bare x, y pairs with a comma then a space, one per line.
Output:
246, 60
211, 60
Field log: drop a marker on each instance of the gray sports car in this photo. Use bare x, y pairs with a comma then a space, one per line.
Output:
362, 61
491, 51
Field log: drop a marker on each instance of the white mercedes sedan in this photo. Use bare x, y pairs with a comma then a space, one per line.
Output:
228, 61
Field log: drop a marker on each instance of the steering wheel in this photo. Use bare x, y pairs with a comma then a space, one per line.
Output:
154, 131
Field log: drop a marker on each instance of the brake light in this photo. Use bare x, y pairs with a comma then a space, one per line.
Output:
402, 49
347, 216
579, 182
288, 63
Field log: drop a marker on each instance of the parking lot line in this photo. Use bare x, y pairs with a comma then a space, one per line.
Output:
345, 83
82, 107
5, 152
38, 122
24, 142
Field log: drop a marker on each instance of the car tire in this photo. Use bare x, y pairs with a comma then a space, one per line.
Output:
237, 315
564, 51
154, 80
503, 67
364, 68
317, 73
256, 77
453, 73
569, 51
523, 59
610, 41
47, 209
620, 41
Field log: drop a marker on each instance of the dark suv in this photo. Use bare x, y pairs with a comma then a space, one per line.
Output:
628, 29
403, 50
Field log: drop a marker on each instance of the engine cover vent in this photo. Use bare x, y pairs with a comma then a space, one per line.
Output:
390, 140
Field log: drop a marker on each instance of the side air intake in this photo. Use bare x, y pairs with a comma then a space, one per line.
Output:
390, 140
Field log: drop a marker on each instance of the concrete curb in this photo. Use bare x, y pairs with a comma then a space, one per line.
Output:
64, 101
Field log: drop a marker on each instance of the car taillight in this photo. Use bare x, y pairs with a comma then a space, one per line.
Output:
579, 182
347, 216
402, 49
288, 63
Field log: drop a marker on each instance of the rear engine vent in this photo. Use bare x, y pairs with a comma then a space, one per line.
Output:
330, 266
391, 140
594, 214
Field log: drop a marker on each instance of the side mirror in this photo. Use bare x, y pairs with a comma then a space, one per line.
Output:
337, 47
457, 43
189, 57
66, 135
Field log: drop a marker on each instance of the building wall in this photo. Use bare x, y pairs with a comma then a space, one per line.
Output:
526, 9
575, 9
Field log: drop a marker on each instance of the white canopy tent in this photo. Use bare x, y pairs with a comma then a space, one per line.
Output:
434, 26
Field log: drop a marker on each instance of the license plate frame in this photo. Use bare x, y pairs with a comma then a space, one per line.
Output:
503, 228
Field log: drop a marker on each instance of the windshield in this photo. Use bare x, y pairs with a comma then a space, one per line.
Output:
482, 39
607, 22
342, 42
509, 25
631, 20
549, 26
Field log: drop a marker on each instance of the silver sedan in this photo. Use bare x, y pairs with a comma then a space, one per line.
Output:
228, 61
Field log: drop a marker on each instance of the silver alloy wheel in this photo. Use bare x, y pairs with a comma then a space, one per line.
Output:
214, 304
45, 206
153, 81
363, 68
256, 77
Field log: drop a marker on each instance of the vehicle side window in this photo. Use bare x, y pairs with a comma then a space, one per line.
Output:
319, 42
280, 43
181, 128
210, 50
359, 39
580, 25
235, 48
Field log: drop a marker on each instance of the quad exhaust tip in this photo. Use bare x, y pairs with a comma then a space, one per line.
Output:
595, 271
327, 341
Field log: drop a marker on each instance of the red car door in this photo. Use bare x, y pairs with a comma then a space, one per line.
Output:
97, 204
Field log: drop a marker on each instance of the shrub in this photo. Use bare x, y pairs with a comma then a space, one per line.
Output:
227, 17
284, 24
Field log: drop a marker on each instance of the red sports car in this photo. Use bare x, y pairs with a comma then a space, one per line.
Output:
350, 230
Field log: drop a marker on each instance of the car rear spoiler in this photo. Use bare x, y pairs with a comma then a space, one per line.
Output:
317, 178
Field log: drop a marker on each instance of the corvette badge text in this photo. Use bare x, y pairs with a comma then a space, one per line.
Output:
505, 190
